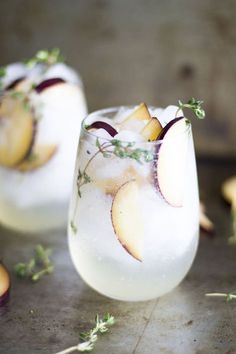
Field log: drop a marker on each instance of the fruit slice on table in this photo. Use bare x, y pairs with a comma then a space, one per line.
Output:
48, 83
229, 190
103, 125
39, 156
4, 284
127, 219
169, 167
16, 131
151, 130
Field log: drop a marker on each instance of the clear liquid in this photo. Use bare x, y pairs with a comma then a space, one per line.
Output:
169, 245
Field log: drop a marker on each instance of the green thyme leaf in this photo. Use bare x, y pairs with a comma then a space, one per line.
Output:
194, 105
47, 57
38, 266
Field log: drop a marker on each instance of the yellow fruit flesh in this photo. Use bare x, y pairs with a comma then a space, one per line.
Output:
127, 219
39, 156
151, 130
16, 131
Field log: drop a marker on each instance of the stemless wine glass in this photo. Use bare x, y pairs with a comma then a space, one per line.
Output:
129, 236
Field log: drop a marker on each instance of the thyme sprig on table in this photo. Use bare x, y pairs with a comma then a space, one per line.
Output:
111, 148
37, 266
88, 339
194, 105
227, 296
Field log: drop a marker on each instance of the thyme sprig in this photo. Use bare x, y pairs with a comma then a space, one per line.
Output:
194, 105
108, 149
47, 57
37, 266
113, 148
89, 338
228, 297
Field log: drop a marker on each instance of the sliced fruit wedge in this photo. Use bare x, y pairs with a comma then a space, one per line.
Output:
103, 125
23, 85
4, 284
48, 83
39, 156
16, 131
13, 84
127, 219
151, 130
140, 114
169, 167
229, 190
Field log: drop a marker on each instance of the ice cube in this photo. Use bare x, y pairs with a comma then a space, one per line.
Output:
169, 113
129, 136
156, 112
122, 114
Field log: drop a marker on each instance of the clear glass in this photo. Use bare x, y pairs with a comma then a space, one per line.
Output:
37, 199
170, 233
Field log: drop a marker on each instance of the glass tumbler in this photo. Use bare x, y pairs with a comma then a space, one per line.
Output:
129, 237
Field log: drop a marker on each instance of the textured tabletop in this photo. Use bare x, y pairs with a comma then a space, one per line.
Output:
47, 316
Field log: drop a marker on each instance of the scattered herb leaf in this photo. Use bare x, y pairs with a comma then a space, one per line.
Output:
89, 338
37, 266
228, 297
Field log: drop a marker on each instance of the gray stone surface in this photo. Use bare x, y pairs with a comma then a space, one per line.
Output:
135, 50
47, 316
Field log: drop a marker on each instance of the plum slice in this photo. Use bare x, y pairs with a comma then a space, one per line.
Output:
103, 125
4, 284
48, 83
136, 120
151, 130
13, 84
16, 131
39, 156
127, 219
139, 113
169, 166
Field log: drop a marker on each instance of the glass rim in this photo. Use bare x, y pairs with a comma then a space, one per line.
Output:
116, 109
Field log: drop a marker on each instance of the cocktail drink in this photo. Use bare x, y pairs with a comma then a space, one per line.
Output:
41, 109
133, 221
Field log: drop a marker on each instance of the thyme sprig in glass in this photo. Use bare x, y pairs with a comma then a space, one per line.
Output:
38, 266
116, 148
88, 339
108, 149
